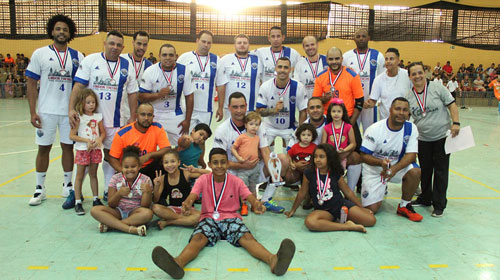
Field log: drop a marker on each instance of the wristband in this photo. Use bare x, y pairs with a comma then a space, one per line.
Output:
457, 123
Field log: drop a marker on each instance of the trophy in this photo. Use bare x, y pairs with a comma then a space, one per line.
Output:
274, 168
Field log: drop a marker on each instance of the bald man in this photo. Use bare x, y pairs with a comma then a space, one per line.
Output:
310, 66
368, 64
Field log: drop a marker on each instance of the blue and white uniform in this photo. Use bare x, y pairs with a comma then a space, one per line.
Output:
55, 69
168, 110
307, 71
269, 58
207, 73
110, 80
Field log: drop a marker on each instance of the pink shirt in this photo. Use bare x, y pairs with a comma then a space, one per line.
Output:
345, 134
134, 199
230, 201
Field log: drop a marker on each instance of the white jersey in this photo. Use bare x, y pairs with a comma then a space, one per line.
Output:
109, 80
385, 89
55, 83
294, 99
382, 142
139, 68
243, 75
155, 78
88, 129
368, 65
317, 141
206, 73
307, 71
269, 58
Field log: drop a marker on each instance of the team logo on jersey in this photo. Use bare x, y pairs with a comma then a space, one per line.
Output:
75, 62
213, 64
218, 140
293, 99
124, 72
365, 194
180, 79
143, 81
272, 97
96, 68
373, 62
156, 81
232, 63
254, 65
50, 59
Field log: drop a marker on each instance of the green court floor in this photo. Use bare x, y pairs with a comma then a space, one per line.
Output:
47, 242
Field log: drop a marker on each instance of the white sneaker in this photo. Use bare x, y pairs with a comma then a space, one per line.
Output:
66, 189
38, 196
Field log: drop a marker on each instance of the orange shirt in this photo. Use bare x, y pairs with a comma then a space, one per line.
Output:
155, 137
247, 147
348, 87
495, 84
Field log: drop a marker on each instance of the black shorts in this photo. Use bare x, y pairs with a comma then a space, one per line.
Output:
228, 229
150, 169
357, 136
336, 211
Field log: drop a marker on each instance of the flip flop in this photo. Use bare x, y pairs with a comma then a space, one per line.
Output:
102, 227
166, 262
285, 256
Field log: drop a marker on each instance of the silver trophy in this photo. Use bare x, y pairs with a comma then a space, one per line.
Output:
274, 168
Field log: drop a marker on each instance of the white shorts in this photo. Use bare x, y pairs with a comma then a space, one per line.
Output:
368, 117
270, 133
200, 117
170, 121
46, 135
110, 134
373, 189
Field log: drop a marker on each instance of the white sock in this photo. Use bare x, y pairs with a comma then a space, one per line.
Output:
353, 173
95, 198
40, 178
108, 173
78, 201
67, 177
268, 193
403, 203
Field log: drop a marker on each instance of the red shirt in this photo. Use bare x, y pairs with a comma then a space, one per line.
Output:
298, 153
448, 69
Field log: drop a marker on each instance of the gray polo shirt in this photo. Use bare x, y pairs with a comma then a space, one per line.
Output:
437, 121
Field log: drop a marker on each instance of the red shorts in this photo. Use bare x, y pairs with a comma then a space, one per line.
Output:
87, 157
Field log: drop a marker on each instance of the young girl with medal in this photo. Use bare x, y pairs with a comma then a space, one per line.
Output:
129, 198
171, 189
220, 220
300, 154
337, 132
324, 182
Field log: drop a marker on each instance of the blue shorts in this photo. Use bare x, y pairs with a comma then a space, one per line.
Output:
228, 229
124, 213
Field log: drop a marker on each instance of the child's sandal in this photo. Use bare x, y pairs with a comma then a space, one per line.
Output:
102, 227
141, 231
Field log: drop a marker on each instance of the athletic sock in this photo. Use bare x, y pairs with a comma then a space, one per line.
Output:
353, 173
95, 198
78, 201
268, 193
108, 173
40, 178
67, 178
403, 203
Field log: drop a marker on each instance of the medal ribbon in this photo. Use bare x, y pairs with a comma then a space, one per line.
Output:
243, 66
202, 67
338, 142
280, 94
62, 61
235, 127
274, 57
137, 70
117, 66
314, 71
322, 186
133, 184
217, 201
332, 84
167, 78
421, 101
362, 64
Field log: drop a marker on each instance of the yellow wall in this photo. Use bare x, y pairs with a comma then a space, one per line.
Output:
429, 53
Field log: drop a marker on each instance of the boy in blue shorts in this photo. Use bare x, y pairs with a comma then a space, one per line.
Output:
220, 220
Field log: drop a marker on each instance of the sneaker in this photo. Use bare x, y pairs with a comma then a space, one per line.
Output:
96, 202
437, 213
272, 206
105, 196
79, 209
38, 196
418, 203
409, 213
66, 189
244, 209
70, 200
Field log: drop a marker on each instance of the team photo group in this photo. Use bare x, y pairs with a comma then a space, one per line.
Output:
350, 121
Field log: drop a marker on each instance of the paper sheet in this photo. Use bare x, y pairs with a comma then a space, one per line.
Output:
462, 141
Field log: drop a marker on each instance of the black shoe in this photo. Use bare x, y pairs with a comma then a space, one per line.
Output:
79, 209
96, 202
437, 213
105, 196
418, 203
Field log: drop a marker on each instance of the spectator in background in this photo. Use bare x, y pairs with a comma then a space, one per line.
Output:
21, 86
461, 72
438, 69
478, 84
428, 73
2, 61
479, 72
9, 62
18, 58
437, 77
407, 64
152, 58
490, 70
9, 85
21, 67
26, 60
402, 64
3, 79
470, 70
448, 70
453, 87
466, 83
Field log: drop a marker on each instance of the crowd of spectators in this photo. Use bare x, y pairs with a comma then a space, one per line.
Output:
12, 78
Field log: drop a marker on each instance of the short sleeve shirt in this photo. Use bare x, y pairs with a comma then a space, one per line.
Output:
134, 199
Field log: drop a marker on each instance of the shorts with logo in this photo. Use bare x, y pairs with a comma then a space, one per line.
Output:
46, 135
110, 134
170, 121
200, 117
270, 133
84, 157
228, 229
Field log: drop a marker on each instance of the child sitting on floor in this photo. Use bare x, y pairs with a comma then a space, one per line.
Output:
192, 147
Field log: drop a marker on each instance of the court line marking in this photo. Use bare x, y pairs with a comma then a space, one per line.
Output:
192, 269
86, 268
485, 265
34, 267
14, 123
26, 173
24, 151
295, 269
137, 268
343, 268
237, 269
438, 265
473, 180
389, 267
